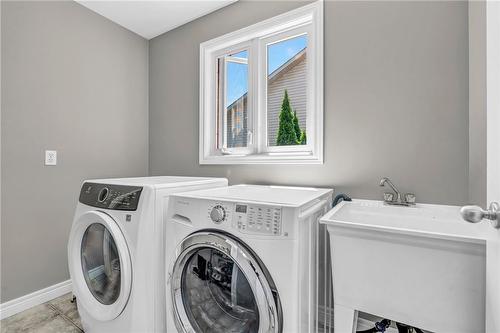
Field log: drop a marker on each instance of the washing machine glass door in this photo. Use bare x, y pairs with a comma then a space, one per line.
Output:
220, 286
100, 265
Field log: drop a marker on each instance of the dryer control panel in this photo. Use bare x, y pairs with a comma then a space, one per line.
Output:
110, 196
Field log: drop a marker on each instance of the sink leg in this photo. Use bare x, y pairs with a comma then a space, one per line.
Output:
345, 320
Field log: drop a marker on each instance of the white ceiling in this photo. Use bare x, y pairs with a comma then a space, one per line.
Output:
154, 17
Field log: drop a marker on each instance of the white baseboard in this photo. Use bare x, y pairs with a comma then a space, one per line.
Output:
38, 297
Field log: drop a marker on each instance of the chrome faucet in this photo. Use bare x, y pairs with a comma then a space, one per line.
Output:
408, 200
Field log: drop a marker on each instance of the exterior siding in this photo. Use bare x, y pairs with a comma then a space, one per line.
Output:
294, 81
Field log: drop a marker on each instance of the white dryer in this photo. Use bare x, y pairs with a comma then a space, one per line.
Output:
244, 259
115, 251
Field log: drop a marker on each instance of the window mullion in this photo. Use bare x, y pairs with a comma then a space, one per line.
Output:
260, 85
311, 128
224, 112
251, 98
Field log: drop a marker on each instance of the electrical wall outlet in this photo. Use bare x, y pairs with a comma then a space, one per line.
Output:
50, 157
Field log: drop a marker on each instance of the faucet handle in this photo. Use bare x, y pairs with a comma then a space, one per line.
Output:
388, 196
410, 198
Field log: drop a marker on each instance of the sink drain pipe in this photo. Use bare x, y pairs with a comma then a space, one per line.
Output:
339, 198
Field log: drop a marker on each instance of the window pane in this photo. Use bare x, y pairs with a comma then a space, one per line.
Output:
287, 91
233, 102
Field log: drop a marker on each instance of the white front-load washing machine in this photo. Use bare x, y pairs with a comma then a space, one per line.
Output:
244, 259
116, 251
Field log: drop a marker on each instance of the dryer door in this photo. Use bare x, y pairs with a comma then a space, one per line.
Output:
100, 265
219, 285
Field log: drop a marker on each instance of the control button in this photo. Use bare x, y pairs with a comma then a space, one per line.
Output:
218, 214
103, 194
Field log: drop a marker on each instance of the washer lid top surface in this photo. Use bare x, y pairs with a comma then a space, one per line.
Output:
280, 195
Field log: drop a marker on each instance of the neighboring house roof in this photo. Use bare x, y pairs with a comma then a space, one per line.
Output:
242, 97
278, 72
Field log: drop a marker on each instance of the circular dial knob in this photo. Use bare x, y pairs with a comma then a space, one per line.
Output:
218, 214
103, 194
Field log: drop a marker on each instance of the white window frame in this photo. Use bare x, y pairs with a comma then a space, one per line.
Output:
307, 19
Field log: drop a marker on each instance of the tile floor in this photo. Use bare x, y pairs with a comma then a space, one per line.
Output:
56, 316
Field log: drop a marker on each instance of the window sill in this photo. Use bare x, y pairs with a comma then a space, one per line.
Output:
269, 158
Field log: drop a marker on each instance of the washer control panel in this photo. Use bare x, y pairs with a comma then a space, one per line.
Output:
247, 218
110, 196
257, 219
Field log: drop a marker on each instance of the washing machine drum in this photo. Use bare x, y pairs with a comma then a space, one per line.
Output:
219, 285
100, 265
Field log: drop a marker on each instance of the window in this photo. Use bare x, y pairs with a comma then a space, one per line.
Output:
232, 105
261, 92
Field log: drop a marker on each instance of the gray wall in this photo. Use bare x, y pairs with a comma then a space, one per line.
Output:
396, 99
477, 102
75, 82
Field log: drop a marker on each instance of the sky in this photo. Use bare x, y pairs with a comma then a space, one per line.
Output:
278, 54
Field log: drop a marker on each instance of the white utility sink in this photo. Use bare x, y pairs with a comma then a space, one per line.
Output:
420, 265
